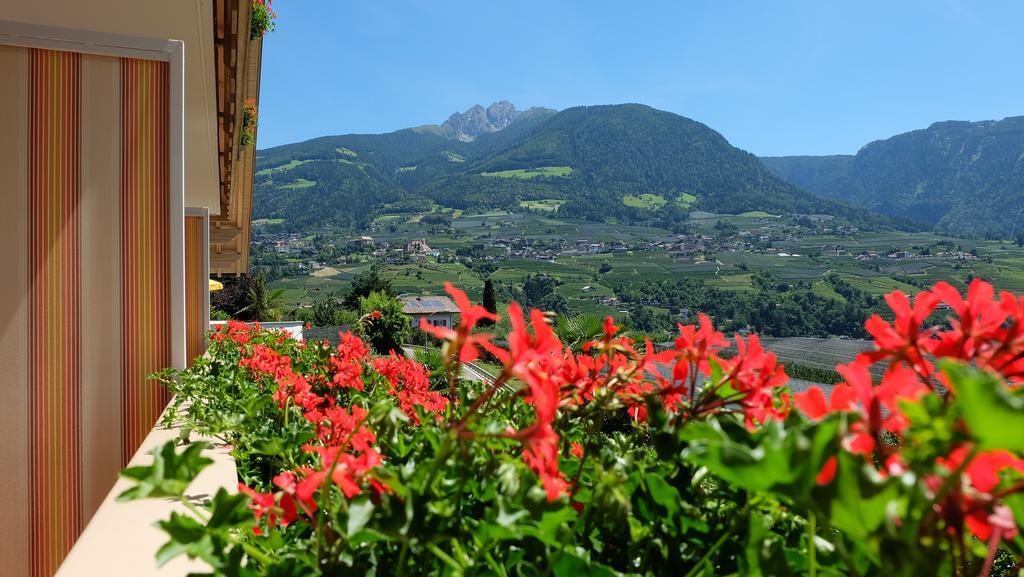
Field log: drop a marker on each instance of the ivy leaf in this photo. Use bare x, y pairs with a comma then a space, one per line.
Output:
272, 446
169, 475
994, 415
663, 494
187, 536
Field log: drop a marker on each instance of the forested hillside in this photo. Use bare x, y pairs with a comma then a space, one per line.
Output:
629, 162
966, 178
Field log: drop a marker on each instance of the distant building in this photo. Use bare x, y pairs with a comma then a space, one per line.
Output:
439, 311
418, 246
361, 241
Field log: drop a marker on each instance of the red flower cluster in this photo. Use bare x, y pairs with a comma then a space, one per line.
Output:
345, 446
684, 375
972, 499
410, 385
348, 362
267, 505
556, 377
236, 331
537, 358
986, 332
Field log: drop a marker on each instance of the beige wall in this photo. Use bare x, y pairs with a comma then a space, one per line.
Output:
190, 21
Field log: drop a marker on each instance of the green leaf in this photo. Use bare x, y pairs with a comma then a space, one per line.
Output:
570, 565
230, 511
663, 494
993, 413
360, 510
187, 536
780, 457
169, 475
862, 499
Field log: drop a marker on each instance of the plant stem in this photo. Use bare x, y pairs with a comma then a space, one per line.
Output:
195, 510
403, 558
845, 554
698, 568
479, 402
812, 548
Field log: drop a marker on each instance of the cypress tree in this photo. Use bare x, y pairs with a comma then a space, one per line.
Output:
490, 302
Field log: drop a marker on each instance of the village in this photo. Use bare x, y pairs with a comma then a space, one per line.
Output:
305, 254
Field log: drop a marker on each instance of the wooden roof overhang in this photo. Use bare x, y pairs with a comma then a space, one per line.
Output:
237, 62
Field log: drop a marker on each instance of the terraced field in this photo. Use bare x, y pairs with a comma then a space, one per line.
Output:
816, 353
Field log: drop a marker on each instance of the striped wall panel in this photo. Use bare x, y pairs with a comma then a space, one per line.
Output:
87, 304
55, 307
145, 245
197, 314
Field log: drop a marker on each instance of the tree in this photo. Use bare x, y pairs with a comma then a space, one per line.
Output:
233, 297
539, 292
490, 301
263, 304
382, 322
365, 284
325, 311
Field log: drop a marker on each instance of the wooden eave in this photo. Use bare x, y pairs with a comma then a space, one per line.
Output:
238, 61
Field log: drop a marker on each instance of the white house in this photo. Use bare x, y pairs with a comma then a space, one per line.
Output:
439, 311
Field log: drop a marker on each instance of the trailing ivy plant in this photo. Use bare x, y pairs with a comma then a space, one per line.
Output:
355, 464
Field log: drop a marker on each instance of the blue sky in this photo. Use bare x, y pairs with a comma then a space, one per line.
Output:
784, 77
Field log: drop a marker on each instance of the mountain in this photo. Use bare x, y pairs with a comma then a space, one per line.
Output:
467, 126
626, 162
821, 174
965, 178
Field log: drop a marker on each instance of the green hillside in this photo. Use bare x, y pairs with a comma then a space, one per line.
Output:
598, 161
966, 178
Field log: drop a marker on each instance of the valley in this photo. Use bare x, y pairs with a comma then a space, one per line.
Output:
638, 213
634, 272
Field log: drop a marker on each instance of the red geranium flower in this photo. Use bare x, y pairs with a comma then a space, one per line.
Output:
540, 453
903, 340
461, 340
264, 505
756, 375
410, 384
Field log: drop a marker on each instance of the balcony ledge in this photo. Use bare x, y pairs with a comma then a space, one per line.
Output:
121, 539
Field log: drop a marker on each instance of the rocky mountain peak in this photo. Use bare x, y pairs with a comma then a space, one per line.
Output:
468, 125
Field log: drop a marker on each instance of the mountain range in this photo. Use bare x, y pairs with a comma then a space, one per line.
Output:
964, 178
627, 163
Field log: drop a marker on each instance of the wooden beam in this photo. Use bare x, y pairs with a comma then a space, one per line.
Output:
224, 234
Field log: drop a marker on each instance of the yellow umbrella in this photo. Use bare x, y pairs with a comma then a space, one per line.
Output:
215, 285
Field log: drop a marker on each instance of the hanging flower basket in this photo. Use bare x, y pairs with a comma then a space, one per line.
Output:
249, 120
261, 19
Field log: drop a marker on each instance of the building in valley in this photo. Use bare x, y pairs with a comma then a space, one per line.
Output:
439, 311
